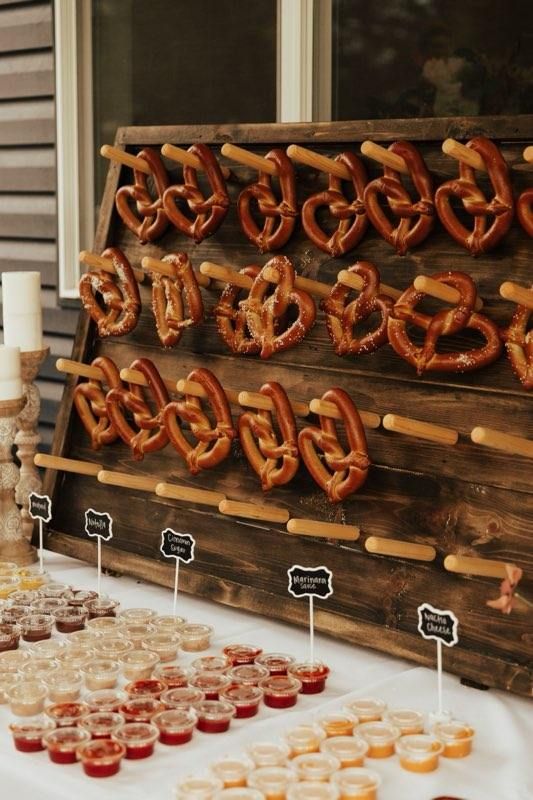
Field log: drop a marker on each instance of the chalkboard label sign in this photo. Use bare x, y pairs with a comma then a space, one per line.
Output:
177, 545
98, 524
40, 507
439, 625
310, 581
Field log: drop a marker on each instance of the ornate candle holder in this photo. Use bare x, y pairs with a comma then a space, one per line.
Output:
14, 546
27, 437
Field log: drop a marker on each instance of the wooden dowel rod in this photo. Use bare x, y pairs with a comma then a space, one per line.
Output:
225, 274
248, 159
187, 494
419, 429
378, 153
355, 281
327, 530
164, 268
317, 161
517, 445
134, 376
235, 508
484, 567
305, 284
115, 154
368, 418
441, 291
197, 390
182, 156
379, 546
67, 464
77, 368
258, 400
461, 152
517, 294
97, 262
528, 153
127, 481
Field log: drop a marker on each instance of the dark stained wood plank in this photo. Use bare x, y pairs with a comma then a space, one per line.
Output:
26, 28
26, 75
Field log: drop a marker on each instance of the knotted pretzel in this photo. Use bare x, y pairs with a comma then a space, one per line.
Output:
524, 210
170, 295
416, 219
118, 312
338, 473
276, 462
342, 316
481, 238
519, 345
447, 322
151, 221
209, 212
89, 401
264, 314
213, 443
150, 434
280, 217
230, 317
351, 215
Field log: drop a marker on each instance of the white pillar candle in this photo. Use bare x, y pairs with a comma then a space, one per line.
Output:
10, 373
21, 301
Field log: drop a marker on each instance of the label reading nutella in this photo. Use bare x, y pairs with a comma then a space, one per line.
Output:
310, 581
98, 524
177, 545
40, 507
439, 625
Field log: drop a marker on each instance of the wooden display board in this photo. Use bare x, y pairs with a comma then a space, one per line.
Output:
463, 499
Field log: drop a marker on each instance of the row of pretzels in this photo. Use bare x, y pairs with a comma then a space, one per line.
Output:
147, 211
121, 411
259, 324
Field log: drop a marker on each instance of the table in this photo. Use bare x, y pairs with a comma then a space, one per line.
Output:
500, 768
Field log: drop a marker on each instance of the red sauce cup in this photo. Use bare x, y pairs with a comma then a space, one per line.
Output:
138, 738
210, 664
140, 709
248, 674
173, 676
101, 759
280, 691
182, 697
175, 726
62, 744
102, 724
276, 663
214, 716
67, 715
241, 653
147, 688
28, 734
210, 683
313, 676
246, 699
106, 700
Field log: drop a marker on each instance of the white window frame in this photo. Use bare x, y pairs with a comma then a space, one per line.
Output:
303, 95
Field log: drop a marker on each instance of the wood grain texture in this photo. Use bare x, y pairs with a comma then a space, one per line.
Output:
461, 500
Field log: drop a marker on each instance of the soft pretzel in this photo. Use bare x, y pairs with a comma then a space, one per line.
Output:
351, 215
213, 443
118, 312
342, 316
209, 212
524, 210
276, 462
337, 472
151, 221
150, 434
480, 239
170, 295
264, 314
89, 401
519, 345
447, 322
415, 218
230, 317
280, 217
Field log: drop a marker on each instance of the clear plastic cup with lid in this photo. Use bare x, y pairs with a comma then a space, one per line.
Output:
73, 657
313, 790
55, 589
11, 614
273, 782
175, 725
7, 680
197, 788
269, 754
315, 766
83, 639
210, 664
101, 758
26, 699
367, 709
182, 697
102, 724
214, 716
35, 627
13, 660
312, 675
64, 685
280, 691
195, 637
101, 673
137, 632
67, 715
62, 744
349, 750
48, 648
406, 719
143, 688
28, 733
138, 664
8, 585
210, 683
304, 739
165, 644
169, 622
248, 674
338, 723
102, 607
174, 676
48, 605
138, 615
380, 737
38, 668
241, 653
138, 738
106, 699
276, 663
246, 699
112, 647
357, 783
9, 636
233, 771
70, 619
456, 736
419, 752
140, 709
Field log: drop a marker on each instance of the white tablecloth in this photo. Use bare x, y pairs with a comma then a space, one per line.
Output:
500, 768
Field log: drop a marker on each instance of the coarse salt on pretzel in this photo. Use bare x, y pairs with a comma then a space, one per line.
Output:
89, 401
151, 221
170, 296
117, 312
519, 345
230, 317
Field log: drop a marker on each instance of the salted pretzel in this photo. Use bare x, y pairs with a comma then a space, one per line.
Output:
230, 317
415, 218
149, 434
151, 221
524, 210
482, 237
265, 313
89, 401
170, 295
351, 215
213, 443
519, 345
280, 217
209, 212
337, 472
447, 322
117, 311
276, 462
342, 316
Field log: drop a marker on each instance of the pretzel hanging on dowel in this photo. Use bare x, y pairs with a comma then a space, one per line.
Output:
112, 300
337, 472
274, 459
519, 345
149, 221
172, 296
524, 210
230, 316
90, 402
213, 443
150, 434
